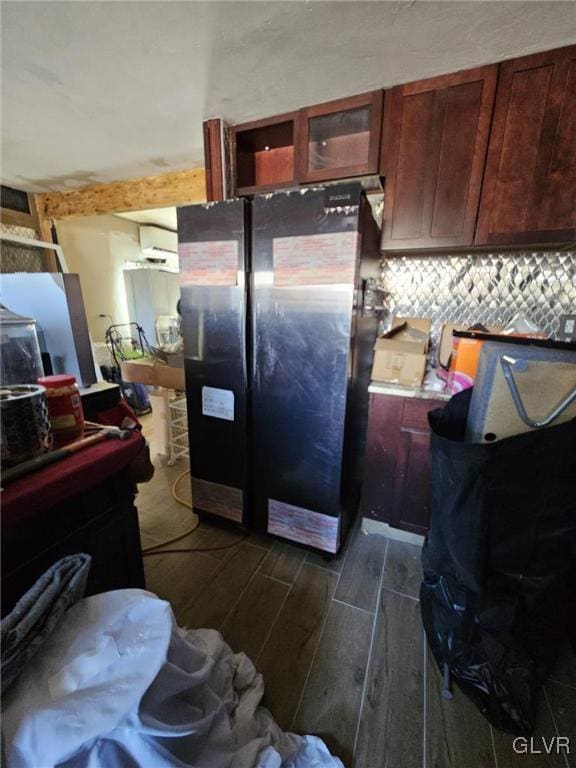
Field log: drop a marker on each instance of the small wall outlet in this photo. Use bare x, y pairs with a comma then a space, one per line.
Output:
567, 328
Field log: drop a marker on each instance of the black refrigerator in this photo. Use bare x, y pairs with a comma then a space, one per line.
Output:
214, 274
281, 352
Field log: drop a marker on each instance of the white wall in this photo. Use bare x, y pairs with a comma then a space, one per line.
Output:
97, 247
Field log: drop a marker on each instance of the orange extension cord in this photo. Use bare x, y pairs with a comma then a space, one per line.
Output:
154, 550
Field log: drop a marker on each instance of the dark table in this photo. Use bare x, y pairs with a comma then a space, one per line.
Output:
84, 503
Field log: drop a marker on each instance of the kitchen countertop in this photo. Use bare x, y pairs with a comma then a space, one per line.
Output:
97, 388
99, 397
381, 388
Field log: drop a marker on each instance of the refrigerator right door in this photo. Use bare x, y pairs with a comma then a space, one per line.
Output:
306, 272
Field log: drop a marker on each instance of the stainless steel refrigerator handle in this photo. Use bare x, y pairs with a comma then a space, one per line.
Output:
508, 363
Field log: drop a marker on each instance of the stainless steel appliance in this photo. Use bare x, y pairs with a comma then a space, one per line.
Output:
55, 301
312, 252
151, 294
278, 357
25, 425
213, 286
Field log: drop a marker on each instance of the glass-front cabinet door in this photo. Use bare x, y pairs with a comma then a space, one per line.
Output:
341, 138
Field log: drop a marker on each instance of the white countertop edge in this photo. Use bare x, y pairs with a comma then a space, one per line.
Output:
381, 388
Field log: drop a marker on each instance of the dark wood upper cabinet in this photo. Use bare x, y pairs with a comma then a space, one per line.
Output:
434, 143
340, 139
529, 191
484, 156
263, 154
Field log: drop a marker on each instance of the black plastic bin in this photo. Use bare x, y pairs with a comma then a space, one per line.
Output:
499, 590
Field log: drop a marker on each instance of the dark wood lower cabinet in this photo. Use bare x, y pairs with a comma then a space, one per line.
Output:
396, 488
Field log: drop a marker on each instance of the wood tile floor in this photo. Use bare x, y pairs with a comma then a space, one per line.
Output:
340, 644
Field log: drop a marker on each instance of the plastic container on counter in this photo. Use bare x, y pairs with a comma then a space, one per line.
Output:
64, 407
20, 358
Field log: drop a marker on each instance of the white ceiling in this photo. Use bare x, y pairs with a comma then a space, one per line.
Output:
98, 91
160, 217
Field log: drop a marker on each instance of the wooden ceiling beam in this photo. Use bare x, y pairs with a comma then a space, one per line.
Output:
166, 189
44, 229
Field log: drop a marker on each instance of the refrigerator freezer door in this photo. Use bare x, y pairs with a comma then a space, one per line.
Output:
213, 268
306, 259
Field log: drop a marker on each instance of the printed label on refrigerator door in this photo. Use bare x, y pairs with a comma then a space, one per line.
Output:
303, 525
214, 262
218, 403
315, 259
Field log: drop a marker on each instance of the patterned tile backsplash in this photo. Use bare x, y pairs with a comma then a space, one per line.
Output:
482, 287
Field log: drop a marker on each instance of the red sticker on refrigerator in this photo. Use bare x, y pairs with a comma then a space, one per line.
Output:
303, 525
213, 262
315, 259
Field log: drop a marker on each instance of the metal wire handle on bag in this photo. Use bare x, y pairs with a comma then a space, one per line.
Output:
508, 363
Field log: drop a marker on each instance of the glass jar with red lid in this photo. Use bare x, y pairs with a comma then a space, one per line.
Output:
64, 407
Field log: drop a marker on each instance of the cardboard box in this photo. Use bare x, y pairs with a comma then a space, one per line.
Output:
154, 373
417, 329
446, 344
464, 360
400, 356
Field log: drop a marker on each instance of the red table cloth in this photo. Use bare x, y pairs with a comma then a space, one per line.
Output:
77, 473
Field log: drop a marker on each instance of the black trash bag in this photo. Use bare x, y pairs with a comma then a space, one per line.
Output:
498, 596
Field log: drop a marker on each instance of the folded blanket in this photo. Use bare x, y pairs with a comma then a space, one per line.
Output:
37, 613
120, 684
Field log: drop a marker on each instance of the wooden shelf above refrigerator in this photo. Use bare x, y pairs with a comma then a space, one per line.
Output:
263, 154
336, 140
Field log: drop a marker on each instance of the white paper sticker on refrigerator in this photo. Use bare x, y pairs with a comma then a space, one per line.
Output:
218, 403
